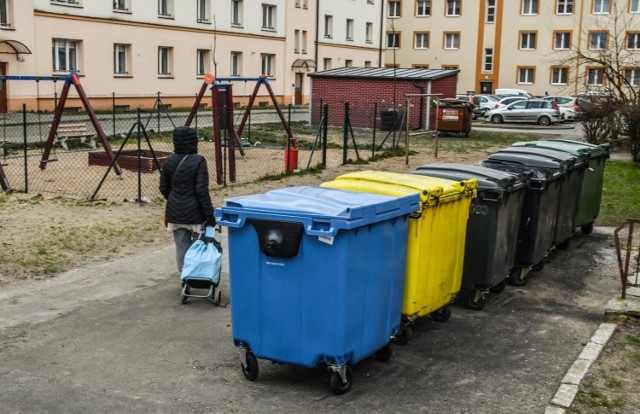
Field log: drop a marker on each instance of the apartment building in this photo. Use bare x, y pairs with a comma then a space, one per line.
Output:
523, 44
136, 48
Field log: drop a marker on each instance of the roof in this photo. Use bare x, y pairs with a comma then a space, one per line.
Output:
385, 73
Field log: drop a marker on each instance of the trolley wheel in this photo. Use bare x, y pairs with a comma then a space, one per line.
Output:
384, 353
336, 384
217, 297
587, 228
564, 245
441, 315
516, 279
403, 336
251, 370
499, 288
472, 302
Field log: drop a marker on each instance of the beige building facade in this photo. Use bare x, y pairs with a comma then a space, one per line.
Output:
519, 44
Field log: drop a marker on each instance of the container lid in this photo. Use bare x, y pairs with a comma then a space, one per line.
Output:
488, 179
569, 161
577, 150
600, 150
542, 168
431, 190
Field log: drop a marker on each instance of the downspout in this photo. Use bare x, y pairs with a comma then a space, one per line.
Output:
421, 87
428, 126
315, 52
382, 28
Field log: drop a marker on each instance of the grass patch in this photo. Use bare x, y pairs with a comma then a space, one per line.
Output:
276, 177
620, 193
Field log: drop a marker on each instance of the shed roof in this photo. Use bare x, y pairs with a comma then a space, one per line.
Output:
385, 73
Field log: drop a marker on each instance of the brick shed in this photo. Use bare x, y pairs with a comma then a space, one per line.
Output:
388, 87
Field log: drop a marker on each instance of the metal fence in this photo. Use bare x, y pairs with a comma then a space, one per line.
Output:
627, 243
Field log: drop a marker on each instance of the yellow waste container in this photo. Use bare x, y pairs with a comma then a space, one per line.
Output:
436, 241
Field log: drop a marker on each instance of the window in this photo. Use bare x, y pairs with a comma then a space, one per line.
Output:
304, 41
120, 59
564, 7
420, 66
450, 67
423, 8
453, 7
421, 40
349, 29
634, 6
601, 6
595, 76
369, 33
348, 63
64, 55
297, 3
204, 11
394, 9
268, 17
451, 40
236, 63
393, 40
597, 40
526, 75
488, 60
296, 37
632, 77
236, 12
326, 64
72, 2
328, 26
529, 7
202, 62
5, 21
633, 40
121, 5
165, 8
164, 61
367, 63
559, 75
268, 61
527, 41
491, 11
562, 40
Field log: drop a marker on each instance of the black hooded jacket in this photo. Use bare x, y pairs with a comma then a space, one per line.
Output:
187, 190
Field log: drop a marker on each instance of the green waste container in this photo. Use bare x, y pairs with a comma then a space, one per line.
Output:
591, 194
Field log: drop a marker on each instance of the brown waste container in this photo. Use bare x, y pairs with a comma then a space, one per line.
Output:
454, 117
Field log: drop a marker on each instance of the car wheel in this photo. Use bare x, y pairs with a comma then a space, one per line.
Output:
544, 121
496, 119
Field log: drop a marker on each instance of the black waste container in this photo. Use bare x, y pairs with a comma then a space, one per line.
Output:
389, 120
575, 166
539, 209
492, 228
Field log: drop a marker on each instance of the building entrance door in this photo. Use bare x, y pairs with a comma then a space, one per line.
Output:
298, 89
486, 88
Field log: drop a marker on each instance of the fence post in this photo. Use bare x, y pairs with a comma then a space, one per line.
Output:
113, 112
406, 134
139, 123
345, 133
158, 107
196, 118
375, 124
24, 135
325, 125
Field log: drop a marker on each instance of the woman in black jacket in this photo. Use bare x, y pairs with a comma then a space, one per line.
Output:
184, 183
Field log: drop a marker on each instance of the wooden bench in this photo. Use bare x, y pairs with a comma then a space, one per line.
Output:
71, 131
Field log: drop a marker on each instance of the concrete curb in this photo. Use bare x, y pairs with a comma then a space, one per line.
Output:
568, 389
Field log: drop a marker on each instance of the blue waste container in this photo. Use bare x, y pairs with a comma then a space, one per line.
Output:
316, 276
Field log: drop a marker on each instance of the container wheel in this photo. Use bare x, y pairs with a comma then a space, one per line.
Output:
183, 299
403, 337
587, 228
251, 370
384, 353
475, 300
538, 267
336, 384
496, 119
466, 134
516, 278
499, 287
441, 315
564, 245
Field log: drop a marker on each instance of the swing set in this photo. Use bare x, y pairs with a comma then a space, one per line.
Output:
222, 107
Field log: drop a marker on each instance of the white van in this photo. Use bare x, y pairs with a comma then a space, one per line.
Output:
513, 92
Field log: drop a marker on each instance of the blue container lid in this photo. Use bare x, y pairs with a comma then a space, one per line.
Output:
488, 178
315, 205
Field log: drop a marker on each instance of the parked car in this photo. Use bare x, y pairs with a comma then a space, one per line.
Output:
509, 100
513, 92
568, 105
486, 102
530, 110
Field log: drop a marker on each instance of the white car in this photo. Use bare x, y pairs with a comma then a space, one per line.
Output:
568, 105
509, 100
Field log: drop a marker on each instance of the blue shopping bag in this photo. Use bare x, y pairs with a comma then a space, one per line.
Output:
203, 260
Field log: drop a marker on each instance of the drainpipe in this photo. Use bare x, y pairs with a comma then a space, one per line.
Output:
315, 53
415, 83
428, 126
382, 28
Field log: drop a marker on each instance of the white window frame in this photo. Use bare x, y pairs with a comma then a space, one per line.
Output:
236, 12
564, 7
70, 49
369, 32
529, 76
350, 30
202, 62
453, 8
599, 6
487, 66
599, 44
122, 6
120, 59
634, 6
491, 12
267, 64
635, 36
528, 40
394, 12
562, 37
632, 76
451, 41
236, 64
421, 40
269, 14
559, 75
348, 63
530, 7
328, 26
165, 8
67, 2
423, 8
203, 11
165, 66
327, 64
5, 13
598, 76
395, 36
303, 42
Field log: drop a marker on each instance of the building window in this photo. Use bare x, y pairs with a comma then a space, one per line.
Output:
236, 63
564, 7
236, 12
304, 41
65, 55
454, 7
120, 53
268, 17
348, 63
632, 77
369, 33
423, 8
420, 66
367, 63
165, 8
296, 37
393, 40
452, 40
450, 67
326, 63
202, 62
349, 29
633, 40
601, 6
529, 7
328, 26
297, 3
488, 60
394, 9
527, 41
204, 11
526, 76
121, 5
597, 40
559, 75
71, 2
5, 20
164, 61
268, 64
634, 6
491, 11
561, 40
595, 76
421, 40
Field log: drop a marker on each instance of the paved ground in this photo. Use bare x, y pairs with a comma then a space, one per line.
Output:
115, 338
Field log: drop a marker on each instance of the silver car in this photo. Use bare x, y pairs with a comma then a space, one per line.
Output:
532, 110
